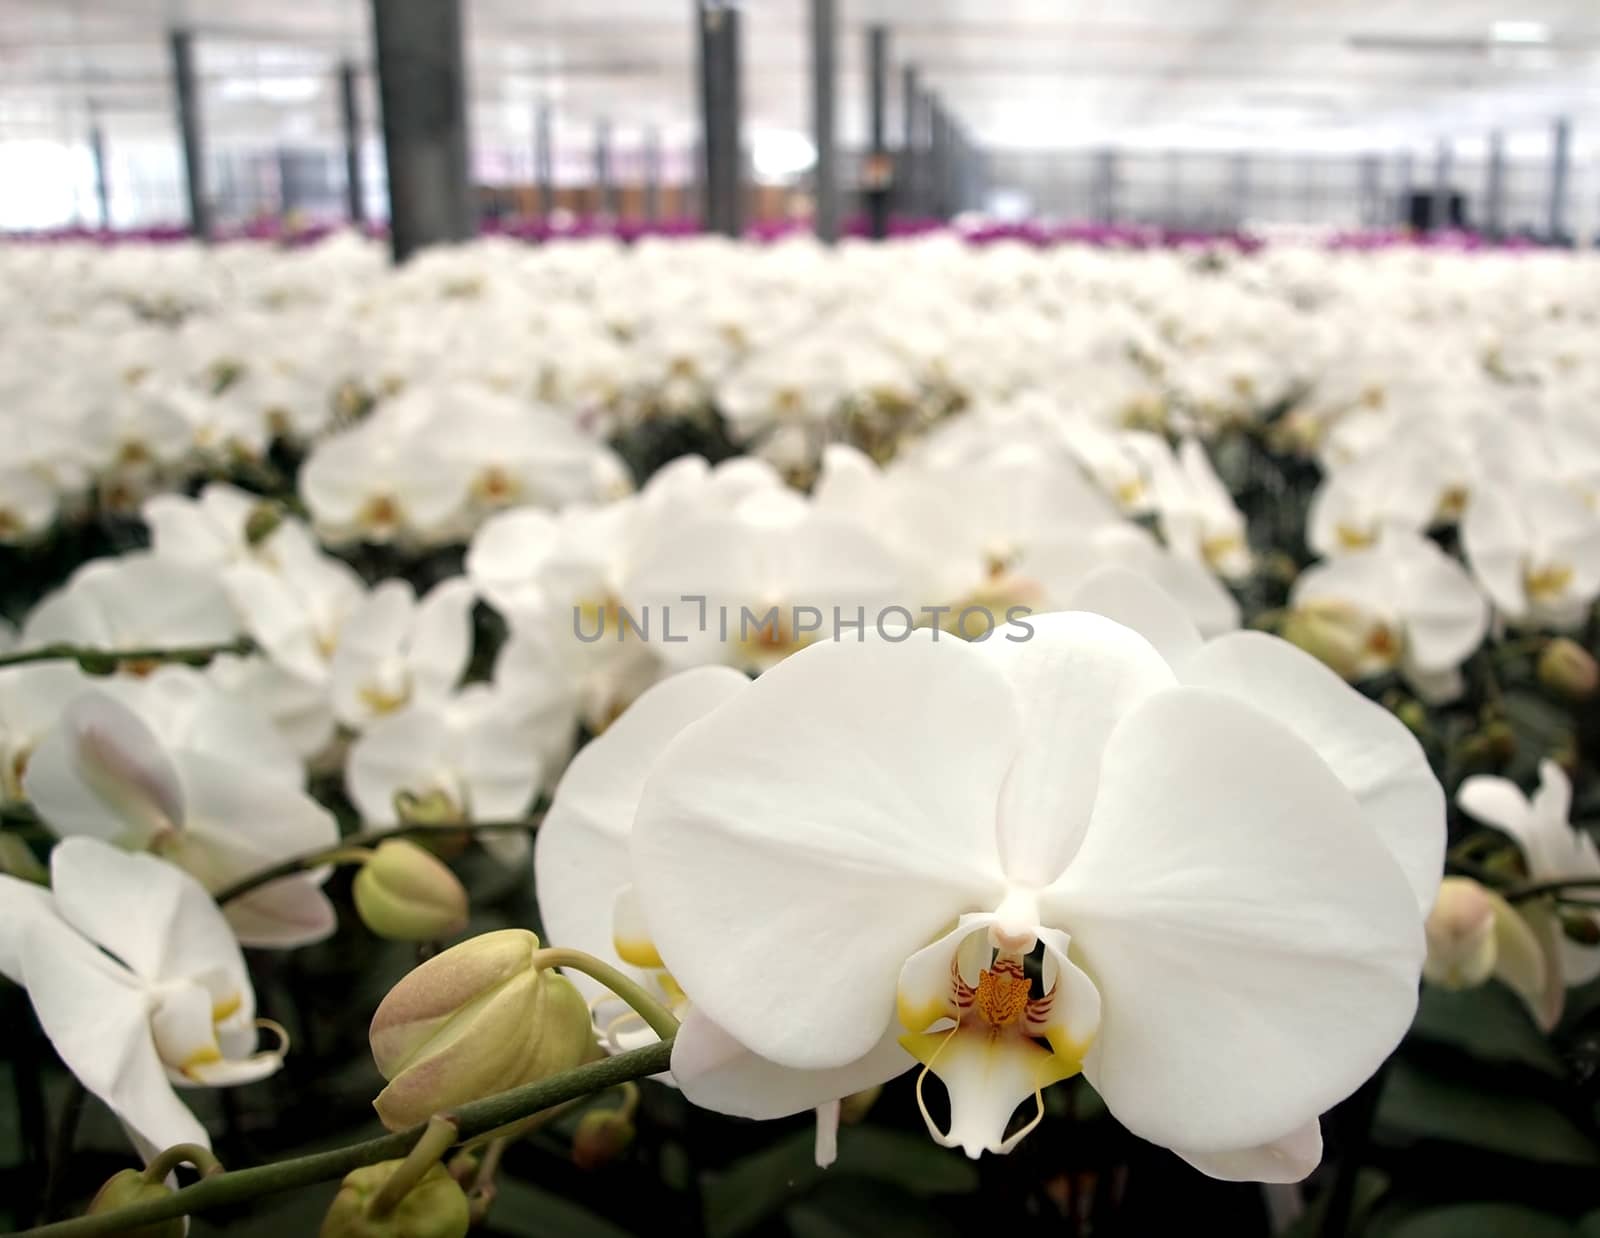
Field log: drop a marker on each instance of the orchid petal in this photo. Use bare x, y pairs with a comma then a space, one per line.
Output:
1290, 1158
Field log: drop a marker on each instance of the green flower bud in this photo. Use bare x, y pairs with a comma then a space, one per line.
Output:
263, 521
603, 1135
472, 1021
406, 894
435, 1208
1567, 668
123, 1190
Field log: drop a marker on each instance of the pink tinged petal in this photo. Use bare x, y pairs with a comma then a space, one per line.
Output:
795, 847
1139, 603
153, 916
1288, 1159
1255, 947
283, 915
1371, 751
117, 757
98, 1019
1074, 679
716, 1072
580, 857
253, 813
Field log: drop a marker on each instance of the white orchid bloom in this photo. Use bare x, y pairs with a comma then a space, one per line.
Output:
138, 601
1553, 848
395, 649
296, 607
138, 983
379, 482
28, 504
31, 699
1359, 504
476, 756
1403, 605
750, 586
583, 874
1228, 947
105, 773
1535, 549
1199, 519
210, 531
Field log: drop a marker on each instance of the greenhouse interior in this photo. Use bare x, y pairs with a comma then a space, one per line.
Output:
749, 618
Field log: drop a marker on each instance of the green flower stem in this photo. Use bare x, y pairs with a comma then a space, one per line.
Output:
439, 1137
105, 661
659, 1018
365, 841
194, 1154
241, 1186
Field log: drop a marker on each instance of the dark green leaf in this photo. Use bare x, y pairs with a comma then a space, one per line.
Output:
1419, 1104
1490, 1024
522, 1209
760, 1185
852, 1208
1481, 1221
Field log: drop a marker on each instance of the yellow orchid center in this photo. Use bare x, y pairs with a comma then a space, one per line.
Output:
1547, 583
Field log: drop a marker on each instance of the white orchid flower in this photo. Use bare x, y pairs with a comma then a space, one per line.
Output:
1199, 519
395, 649
212, 530
28, 504
1403, 605
379, 482
296, 607
1359, 504
137, 981
475, 756
31, 699
1535, 549
103, 772
138, 601
583, 875
1228, 949
1553, 848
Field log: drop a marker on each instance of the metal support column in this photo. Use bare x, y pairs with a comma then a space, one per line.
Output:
1495, 191
1439, 209
544, 164
1239, 189
1370, 173
1560, 172
938, 159
422, 90
1407, 182
102, 178
824, 58
350, 114
194, 160
605, 194
722, 172
878, 172
910, 164
1103, 193
652, 174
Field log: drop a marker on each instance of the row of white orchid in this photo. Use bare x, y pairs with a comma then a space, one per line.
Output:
1220, 856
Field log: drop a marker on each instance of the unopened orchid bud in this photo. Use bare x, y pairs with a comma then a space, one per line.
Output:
1335, 635
263, 521
125, 1189
475, 1020
404, 893
1460, 933
432, 808
1415, 715
602, 1136
1473, 934
1567, 668
1494, 744
435, 1208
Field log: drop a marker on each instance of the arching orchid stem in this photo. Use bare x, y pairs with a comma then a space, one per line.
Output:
106, 661
1557, 887
659, 1018
359, 842
201, 1157
474, 1119
438, 1138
